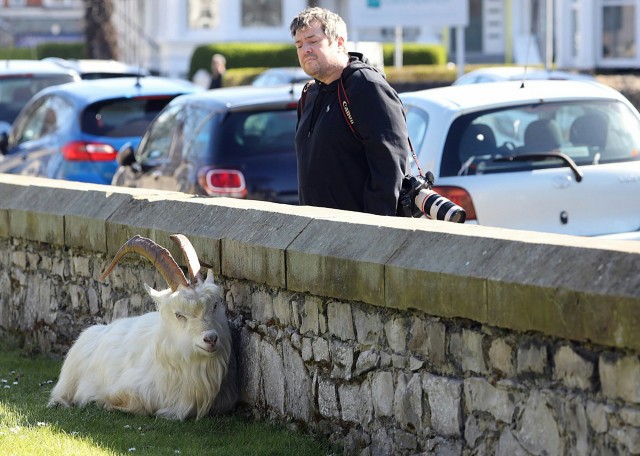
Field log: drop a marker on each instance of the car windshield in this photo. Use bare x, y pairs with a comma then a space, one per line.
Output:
589, 132
122, 117
16, 90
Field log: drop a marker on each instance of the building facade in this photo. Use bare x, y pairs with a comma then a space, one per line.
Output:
162, 34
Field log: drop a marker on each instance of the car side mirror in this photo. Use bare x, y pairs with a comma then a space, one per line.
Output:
126, 156
4, 143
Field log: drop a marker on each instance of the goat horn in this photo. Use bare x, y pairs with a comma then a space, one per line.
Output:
158, 255
190, 256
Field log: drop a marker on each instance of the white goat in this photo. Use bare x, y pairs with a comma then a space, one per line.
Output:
174, 363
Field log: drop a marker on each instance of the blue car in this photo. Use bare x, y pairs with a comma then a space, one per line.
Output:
74, 131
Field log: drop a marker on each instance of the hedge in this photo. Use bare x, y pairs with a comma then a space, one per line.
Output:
42, 50
244, 55
258, 55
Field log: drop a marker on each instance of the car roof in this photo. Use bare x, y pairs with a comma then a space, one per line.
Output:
16, 67
502, 93
92, 90
521, 72
99, 66
244, 96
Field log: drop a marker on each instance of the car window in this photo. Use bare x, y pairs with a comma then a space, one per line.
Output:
262, 132
122, 117
590, 132
16, 91
156, 144
43, 118
198, 129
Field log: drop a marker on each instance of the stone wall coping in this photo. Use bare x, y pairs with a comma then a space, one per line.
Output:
583, 289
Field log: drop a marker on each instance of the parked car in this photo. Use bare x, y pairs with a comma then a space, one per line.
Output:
553, 156
22, 79
235, 142
517, 73
100, 68
280, 76
73, 131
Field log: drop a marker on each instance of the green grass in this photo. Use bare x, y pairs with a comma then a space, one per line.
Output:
29, 428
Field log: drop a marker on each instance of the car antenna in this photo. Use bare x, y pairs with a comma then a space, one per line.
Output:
526, 62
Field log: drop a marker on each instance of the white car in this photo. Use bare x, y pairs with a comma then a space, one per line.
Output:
517, 73
552, 156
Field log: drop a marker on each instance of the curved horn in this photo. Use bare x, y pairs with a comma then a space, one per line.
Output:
190, 256
158, 255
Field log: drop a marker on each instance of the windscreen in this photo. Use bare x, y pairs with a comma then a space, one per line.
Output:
589, 132
17, 90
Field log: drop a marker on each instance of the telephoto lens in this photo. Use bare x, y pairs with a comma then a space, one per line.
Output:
437, 207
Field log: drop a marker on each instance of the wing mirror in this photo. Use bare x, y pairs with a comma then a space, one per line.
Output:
5, 129
4, 143
126, 155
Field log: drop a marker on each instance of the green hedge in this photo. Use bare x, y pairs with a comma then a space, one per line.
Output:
62, 50
415, 54
267, 55
244, 55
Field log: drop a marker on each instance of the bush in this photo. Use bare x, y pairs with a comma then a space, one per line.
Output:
269, 55
244, 55
415, 54
62, 50
42, 50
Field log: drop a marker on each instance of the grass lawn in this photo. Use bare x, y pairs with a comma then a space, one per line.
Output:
29, 428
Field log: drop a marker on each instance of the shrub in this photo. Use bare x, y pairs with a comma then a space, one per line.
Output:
244, 55
416, 54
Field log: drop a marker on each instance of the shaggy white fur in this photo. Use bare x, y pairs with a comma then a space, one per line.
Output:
170, 363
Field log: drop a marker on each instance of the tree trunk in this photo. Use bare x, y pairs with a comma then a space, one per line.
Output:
100, 34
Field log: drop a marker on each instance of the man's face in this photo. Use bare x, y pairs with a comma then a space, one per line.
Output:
317, 57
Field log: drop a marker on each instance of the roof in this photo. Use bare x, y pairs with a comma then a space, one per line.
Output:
99, 66
33, 67
487, 95
98, 89
241, 96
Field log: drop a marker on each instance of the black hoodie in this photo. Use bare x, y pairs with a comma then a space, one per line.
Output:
336, 169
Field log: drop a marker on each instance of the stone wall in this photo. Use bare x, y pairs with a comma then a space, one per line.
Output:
390, 336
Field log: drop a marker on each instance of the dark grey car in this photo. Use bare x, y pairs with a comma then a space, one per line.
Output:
236, 142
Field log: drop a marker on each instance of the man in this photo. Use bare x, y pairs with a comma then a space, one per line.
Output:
335, 168
218, 68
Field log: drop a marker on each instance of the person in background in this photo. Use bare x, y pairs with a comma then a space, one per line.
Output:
335, 168
218, 68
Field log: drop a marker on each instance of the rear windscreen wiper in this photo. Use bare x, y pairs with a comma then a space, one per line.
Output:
544, 156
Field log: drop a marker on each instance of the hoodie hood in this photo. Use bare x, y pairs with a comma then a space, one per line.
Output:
358, 61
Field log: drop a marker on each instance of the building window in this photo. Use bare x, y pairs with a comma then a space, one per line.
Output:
203, 14
619, 32
261, 13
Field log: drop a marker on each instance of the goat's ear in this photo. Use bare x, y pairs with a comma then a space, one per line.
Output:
209, 276
153, 293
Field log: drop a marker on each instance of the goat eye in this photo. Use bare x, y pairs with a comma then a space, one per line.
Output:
181, 317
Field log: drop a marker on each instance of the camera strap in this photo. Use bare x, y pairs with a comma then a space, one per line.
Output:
343, 101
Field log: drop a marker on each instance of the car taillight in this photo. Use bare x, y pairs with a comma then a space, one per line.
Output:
88, 151
459, 196
223, 182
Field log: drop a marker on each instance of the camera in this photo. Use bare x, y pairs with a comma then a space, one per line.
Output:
417, 198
